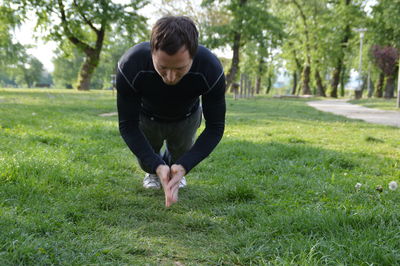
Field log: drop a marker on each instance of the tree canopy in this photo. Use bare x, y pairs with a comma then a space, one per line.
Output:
313, 41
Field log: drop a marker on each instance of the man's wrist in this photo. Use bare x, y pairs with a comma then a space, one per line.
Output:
180, 168
160, 167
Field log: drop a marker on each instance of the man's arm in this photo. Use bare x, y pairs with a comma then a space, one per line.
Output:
214, 109
128, 103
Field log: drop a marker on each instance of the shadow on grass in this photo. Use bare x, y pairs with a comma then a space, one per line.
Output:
250, 202
246, 203
247, 194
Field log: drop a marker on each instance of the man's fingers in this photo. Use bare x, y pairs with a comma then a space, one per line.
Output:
170, 183
169, 200
164, 182
174, 192
171, 194
174, 181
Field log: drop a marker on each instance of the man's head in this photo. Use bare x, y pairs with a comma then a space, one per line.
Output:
174, 42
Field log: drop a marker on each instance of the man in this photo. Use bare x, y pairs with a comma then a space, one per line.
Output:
159, 85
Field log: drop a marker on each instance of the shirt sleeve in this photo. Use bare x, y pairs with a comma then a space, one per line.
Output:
214, 109
128, 104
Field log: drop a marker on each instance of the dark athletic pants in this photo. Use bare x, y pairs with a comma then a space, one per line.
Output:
179, 136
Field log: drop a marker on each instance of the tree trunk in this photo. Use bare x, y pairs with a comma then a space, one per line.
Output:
27, 80
358, 94
389, 88
335, 79
259, 74
269, 85
320, 86
237, 35
92, 53
306, 79
337, 72
91, 62
230, 78
342, 80
86, 72
258, 85
371, 88
294, 82
307, 67
379, 86
259, 77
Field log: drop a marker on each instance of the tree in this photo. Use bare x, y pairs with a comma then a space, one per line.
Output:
385, 34
26, 71
85, 24
345, 15
257, 59
66, 67
247, 20
9, 19
297, 44
69, 59
386, 58
11, 52
29, 71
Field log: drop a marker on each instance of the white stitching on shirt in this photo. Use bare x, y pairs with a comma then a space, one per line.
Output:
142, 71
209, 88
127, 80
134, 79
217, 80
204, 78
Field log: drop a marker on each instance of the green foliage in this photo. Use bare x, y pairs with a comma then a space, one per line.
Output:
84, 25
274, 34
9, 19
29, 71
24, 71
68, 61
251, 18
384, 25
66, 68
252, 23
83, 17
322, 32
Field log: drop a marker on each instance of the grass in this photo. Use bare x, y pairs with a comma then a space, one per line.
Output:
378, 103
279, 189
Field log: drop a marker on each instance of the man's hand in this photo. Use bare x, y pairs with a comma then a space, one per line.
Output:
177, 172
170, 179
163, 172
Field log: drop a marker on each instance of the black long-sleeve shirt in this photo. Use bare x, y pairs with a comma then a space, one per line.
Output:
140, 89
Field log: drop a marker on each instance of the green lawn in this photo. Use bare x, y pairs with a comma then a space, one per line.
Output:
378, 103
279, 189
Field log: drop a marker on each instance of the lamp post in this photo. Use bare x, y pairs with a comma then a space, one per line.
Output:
358, 92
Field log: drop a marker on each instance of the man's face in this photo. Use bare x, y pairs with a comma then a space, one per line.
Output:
172, 68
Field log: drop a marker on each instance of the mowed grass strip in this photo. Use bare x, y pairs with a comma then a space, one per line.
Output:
378, 103
279, 189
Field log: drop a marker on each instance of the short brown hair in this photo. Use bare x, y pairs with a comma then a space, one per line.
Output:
170, 33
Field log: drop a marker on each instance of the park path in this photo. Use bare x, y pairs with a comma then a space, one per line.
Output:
341, 107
